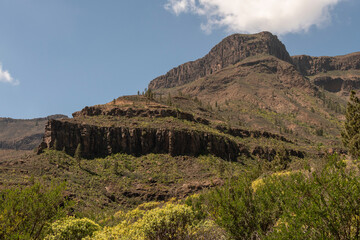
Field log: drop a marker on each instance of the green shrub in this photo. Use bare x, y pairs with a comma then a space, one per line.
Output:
26, 212
242, 212
323, 206
161, 221
350, 134
72, 228
173, 221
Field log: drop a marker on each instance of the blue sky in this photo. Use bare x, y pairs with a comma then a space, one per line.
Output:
61, 55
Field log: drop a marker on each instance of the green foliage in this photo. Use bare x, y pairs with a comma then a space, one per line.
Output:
72, 228
323, 204
319, 132
243, 213
78, 153
351, 133
168, 101
170, 222
281, 160
149, 94
56, 145
26, 212
156, 220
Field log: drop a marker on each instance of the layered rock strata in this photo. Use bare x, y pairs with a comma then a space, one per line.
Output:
130, 112
308, 65
102, 141
229, 51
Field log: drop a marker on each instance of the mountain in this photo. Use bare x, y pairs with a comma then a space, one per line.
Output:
230, 51
23, 134
246, 82
246, 104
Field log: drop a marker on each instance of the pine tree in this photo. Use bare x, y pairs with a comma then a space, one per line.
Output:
55, 146
351, 133
169, 100
78, 153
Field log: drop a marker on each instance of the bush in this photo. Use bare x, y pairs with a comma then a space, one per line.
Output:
242, 212
350, 134
72, 228
153, 221
26, 212
173, 221
323, 206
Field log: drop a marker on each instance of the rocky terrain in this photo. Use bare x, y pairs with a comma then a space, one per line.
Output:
230, 51
23, 134
246, 104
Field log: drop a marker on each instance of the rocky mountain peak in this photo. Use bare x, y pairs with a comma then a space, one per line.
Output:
229, 51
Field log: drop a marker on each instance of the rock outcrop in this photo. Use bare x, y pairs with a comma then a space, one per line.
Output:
242, 133
102, 141
308, 65
230, 51
337, 84
130, 112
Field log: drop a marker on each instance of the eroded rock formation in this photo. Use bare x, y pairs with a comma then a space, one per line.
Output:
130, 112
308, 65
230, 51
102, 141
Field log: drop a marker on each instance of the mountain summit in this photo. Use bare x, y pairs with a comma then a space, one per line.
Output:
229, 51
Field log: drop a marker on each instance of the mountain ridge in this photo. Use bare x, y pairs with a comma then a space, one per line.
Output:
230, 50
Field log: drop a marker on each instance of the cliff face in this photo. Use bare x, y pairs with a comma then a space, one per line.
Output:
345, 78
338, 84
130, 112
231, 50
102, 141
308, 65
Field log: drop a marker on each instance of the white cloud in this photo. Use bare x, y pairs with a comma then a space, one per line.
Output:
277, 16
5, 77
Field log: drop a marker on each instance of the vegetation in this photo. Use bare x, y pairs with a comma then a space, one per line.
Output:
26, 212
72, 228
351, 132
281, 198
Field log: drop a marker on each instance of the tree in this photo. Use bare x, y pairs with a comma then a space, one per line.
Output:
78, 153
26, 212
351, 133
168, 101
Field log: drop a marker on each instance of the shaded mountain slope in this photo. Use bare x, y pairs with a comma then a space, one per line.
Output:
339, 74
24, 134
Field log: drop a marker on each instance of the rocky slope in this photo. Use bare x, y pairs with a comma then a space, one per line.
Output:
23, 134
339, 74
231, 50
247, 83
308, 65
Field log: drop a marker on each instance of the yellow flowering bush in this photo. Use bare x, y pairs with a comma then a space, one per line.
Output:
260, 181
171, 221
72, 228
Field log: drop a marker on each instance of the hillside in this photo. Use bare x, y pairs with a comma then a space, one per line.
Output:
246, 109
23, 134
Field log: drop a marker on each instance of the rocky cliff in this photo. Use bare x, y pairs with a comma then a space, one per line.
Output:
102, 141
308, 65
334, 74
132, 112
230, 51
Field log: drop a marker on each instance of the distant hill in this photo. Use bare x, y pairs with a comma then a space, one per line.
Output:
23, 134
